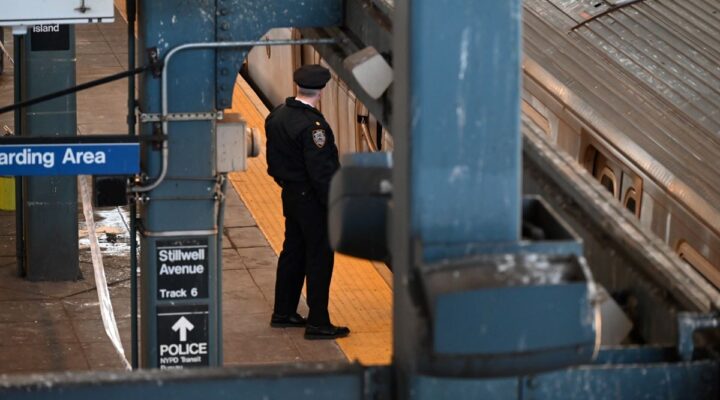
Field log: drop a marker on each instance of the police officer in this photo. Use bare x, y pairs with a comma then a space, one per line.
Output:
302, 157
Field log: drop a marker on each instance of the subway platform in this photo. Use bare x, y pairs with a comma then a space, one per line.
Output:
57, 327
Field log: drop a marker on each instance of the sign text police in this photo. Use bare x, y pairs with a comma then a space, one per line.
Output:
182, 336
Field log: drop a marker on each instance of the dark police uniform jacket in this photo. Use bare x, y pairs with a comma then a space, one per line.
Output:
301, 148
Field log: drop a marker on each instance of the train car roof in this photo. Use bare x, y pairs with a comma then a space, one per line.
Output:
647, 74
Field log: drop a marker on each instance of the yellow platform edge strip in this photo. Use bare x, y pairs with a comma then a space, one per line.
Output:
359, 296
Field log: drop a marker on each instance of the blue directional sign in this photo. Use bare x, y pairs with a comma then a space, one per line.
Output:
86, 158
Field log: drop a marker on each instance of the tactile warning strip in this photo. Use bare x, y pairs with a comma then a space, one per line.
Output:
359, 297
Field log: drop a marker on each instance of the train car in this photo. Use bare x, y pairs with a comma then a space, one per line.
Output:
630, 89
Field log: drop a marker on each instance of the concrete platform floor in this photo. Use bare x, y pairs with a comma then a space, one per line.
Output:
56, 326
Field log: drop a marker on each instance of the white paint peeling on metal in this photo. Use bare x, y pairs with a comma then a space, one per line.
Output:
460, 111
460, 114
206, 16
416, 114
464, 50
459, 173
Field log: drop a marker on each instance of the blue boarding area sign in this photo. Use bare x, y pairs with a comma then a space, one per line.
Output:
106, 155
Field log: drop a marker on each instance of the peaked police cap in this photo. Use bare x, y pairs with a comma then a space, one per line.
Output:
313, 76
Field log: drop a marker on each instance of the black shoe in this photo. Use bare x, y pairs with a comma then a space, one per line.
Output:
287, 321
325, 332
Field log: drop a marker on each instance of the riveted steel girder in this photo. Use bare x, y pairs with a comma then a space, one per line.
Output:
239, 20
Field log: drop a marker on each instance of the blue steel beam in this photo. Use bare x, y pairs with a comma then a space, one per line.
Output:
309, 381
697, 380
657, 380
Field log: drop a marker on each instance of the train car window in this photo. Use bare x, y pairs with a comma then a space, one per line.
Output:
696, 260
379, 133
608, 183
603, 170
608, 180
589, 159
630, 204
631, 201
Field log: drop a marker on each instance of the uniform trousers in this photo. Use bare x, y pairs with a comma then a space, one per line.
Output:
306, 252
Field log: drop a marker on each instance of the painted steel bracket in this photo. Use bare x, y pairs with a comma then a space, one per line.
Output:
490, 311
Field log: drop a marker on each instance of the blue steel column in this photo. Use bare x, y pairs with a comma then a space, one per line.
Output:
50, 203
18, 50
191, 168
464, 113
457, 144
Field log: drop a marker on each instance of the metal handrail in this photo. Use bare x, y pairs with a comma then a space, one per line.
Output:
205, 45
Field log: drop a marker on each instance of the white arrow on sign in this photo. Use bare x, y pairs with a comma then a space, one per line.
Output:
183, 325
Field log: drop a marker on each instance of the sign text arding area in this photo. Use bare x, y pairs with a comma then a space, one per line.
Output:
70, 159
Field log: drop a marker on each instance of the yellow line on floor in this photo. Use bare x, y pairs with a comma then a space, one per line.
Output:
359, 297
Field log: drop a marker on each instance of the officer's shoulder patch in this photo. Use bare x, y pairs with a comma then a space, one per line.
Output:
318, 137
